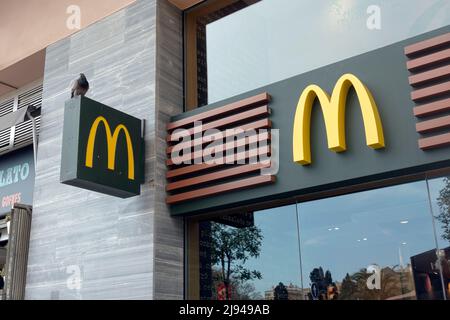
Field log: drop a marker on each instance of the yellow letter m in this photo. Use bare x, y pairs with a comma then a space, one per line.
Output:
333, 110
111, 145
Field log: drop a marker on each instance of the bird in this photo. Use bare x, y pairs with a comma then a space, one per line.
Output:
80, 86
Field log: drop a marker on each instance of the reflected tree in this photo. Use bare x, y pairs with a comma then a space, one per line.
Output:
323, 282
349, 288
444, 218
394, 282
231, 248
280, 292
245, 291
443, 202
238, 290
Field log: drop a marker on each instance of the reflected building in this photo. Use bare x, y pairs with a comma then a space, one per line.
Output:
294, 292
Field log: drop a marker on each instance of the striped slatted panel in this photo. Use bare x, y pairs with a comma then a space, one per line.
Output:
5, 135
189, 177
6, 107
31, 97
23, 132
429, 65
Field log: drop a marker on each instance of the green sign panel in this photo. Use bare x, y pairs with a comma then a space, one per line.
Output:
355, 124
103, 149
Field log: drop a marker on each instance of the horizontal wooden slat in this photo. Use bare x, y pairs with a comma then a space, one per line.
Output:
256, 125
227, 121
204, 166
192, 156
434, 74
428, 60
433, 124
254, 100
435, 141
428, 44
432, 108
222, 174
221, 188
237, 140
431, 91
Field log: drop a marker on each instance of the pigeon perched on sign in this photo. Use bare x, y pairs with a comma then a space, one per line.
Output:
80, 86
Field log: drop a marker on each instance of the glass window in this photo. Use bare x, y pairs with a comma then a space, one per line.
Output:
379, 244
440, 200
370, 245
272, 40
253, 257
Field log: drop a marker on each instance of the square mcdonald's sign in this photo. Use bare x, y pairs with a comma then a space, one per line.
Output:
102, 150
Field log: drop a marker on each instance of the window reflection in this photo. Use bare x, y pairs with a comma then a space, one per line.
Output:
368, 245
253, 256
268, 41
376, 245
440, 201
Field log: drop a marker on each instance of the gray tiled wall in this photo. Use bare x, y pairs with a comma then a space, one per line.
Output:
123, 249
168, 236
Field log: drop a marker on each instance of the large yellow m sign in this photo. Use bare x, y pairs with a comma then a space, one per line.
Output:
111, 144
333, 110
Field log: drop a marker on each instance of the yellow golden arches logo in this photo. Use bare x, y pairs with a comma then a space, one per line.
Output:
111, 145
333, 110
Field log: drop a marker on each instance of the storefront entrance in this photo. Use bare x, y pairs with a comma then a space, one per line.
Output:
384, 243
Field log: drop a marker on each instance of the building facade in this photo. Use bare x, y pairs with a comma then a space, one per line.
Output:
291, 150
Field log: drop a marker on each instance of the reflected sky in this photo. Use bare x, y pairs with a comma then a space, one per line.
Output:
279, 259
384, 227
344, 234
276, 39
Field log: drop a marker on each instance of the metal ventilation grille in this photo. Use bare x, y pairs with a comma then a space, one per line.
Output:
5, 139
6, 107
23, 132
31, 97
5, 135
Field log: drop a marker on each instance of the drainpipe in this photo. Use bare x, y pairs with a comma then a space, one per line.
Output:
30, 109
